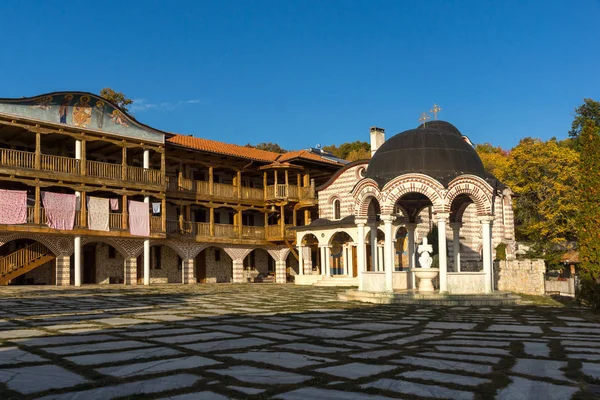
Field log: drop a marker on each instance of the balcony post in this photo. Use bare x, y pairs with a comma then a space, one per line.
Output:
36, 209
239, 184
83, 214
146, 159
163, 168
282, 221
83, 157
307, 220
239, 223
124, 219
266, 225
287, 183
211, 220
163, 214
265, 184
312, 188
124, 165
275, 183
294, 216
38, 149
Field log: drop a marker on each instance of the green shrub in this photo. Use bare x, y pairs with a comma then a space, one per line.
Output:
589, 293
501, 251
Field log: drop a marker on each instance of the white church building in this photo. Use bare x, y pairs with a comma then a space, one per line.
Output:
374, 214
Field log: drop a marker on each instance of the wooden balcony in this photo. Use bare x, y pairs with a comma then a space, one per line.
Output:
232, 192
72, 166
203, 231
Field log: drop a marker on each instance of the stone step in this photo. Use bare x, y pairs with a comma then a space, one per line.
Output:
337, 281
413, 297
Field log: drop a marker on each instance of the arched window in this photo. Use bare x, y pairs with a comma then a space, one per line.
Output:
336, 209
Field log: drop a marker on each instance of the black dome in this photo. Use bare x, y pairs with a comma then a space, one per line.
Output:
436, 149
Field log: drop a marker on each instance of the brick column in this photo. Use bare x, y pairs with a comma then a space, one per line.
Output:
130, 265
238, 271
63, 271
188, 271
280, 275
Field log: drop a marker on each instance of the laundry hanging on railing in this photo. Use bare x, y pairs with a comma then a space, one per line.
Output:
139, 218
13, 207
114, 204
155, 208
60, 210
98, 213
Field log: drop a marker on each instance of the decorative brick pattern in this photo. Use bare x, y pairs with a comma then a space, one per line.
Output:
63, 271
280, 275
130, 267
188, 271
238, 271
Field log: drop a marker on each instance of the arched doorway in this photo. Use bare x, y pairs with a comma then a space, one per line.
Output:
343, 255
213, 265
310, 255
165, 265
259, 266
101, 263
401, 259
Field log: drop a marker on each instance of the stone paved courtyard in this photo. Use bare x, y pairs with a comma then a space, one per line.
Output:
284, 342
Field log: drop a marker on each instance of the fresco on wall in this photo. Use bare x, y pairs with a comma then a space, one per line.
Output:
82, 110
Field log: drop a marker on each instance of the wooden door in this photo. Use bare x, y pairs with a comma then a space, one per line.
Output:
201, 267
354, 262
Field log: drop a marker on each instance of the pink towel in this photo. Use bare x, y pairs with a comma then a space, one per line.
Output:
60, 210
139, 218
13, 207
114, 204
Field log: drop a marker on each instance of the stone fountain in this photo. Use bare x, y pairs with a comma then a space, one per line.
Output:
425, 273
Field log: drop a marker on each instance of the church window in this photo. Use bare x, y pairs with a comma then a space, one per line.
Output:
336, 209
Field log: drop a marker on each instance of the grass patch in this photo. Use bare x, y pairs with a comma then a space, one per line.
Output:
546, 301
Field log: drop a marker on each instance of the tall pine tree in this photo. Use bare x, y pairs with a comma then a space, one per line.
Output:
589, 202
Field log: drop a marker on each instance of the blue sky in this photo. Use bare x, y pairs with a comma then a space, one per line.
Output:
305, 72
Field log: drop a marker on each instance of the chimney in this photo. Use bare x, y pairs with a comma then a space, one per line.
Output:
377, 138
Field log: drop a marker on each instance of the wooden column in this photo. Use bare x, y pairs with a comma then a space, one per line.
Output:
211, 181
239, 184
307, 217
188, 213
163, 214
265, 184
37, 208
211, 220
83, 166
266, 224
275, 183
294, 216
282, 221
124, 219
83, 216
239, 221
38, 149
163, 167
124, 168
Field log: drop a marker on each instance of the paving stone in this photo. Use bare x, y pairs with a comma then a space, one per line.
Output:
356, 370
445, 364
227, 344
150, 367
591, 369
120, 321
419, 389
161, 332
584, 356
327, 333
465, 357
515, 328
58, 340
132, 355
21, 333
275, 335
311, 348
246, 390
574, 330
198, 396
476, 350
39, 378
281, 359
326, 394
14, 355
377, 326
155, 385
265, 376
525, 389
450, 325
536, 349
375, 354
444, 377
96, 347
353, 343
411, 339
477, 342
196, 337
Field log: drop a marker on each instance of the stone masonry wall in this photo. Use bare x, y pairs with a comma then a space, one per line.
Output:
108, 267
218, 271
521, 276
170, 269
42, 275
340, 189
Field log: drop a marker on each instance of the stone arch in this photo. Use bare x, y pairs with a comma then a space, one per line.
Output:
59, 246
363, 193
235, 252
329, 236
106, 240
302, 235
413, 183
478, 190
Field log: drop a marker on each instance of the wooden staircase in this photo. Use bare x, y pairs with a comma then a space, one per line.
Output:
23, 260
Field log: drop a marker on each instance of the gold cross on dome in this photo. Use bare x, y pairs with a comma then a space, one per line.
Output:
435, 110
424, 118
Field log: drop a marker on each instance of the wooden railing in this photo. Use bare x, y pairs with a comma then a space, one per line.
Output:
115, 221
65, 165
292, 192
253, 232
155, 224
273, 231
252, 193
78, 222
306, 193
16, 158
223, 190
104, 170
225, 231
22, 257
146, 175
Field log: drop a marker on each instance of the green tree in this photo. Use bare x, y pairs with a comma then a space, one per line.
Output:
116, 97
589, 200
588, 111
544, 176
268, 146
356, 150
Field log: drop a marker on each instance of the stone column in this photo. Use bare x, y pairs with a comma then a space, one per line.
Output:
188, 272
442, 219
373, 243
77, 260
344, 260
350, 260
280, 274
410, 228
63, 270
130, 265
238, 271
322, 260
456, 244
146, 159
327, 260
486, 234
380, 257
361, 252
300, 260
388, 251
